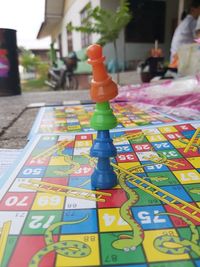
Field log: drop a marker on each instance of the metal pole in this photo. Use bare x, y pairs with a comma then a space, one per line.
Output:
180, 9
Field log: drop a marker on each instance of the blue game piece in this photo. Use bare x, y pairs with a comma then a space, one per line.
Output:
103, 145
104, 176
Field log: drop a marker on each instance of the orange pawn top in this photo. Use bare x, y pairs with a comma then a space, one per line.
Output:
102, 87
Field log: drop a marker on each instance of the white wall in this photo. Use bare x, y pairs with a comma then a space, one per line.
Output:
73, 16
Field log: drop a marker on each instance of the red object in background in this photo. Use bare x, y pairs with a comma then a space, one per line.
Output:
3, 52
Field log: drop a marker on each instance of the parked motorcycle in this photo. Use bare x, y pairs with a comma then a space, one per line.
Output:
63, 77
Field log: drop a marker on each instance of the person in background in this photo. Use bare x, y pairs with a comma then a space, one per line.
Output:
185, 32
197, 31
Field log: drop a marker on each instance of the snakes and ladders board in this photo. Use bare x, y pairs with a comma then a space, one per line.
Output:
76, 118
50, 216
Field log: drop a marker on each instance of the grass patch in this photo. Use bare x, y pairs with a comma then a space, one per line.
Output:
34, 85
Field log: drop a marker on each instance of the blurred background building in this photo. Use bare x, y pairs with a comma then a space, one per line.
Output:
152, 20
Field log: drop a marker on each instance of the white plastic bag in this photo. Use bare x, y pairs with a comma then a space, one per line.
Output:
189, 59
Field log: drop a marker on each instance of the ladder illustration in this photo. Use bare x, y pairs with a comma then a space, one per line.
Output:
194, 142
186, 208
134, 136
66, 191
174, 164
4, 232
165, 161
48, 152
130, 136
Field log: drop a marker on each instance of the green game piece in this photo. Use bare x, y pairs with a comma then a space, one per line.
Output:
103, 117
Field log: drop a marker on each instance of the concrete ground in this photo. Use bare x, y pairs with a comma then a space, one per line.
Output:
16, 118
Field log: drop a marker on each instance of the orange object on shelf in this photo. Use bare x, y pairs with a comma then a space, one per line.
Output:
103, 88
156, 52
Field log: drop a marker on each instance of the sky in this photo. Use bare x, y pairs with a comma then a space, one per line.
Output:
25, 16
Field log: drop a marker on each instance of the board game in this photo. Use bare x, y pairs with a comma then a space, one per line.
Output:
76, 118
50, 216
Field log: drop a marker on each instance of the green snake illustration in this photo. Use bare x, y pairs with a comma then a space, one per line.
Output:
74, 166
185, 246
129, 242
184, 140
67, 248
195, 191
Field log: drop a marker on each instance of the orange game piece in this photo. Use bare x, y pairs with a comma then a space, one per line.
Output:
102, 87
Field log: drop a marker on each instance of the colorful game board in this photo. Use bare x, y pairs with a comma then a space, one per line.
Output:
50, 216
76, 118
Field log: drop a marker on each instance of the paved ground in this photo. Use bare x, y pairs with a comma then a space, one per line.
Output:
16, 118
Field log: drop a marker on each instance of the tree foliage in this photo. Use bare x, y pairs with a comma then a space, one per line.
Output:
107, 23
28, 60
33, 63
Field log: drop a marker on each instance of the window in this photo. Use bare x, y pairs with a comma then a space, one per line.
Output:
85, 37
148, 23
69, 39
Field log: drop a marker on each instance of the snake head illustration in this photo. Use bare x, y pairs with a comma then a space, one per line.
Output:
125, 242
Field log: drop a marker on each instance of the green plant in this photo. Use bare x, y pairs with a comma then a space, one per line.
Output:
52, 54
28, 60
107, 23
42, 69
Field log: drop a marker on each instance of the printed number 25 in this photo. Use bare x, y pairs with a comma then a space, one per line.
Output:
146, 218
